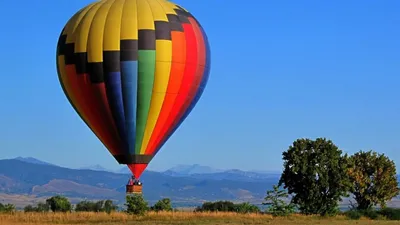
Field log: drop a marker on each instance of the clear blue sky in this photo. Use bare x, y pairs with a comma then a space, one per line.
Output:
281, 70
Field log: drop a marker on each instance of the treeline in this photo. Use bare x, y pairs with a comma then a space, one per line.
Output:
60, 203
315, 178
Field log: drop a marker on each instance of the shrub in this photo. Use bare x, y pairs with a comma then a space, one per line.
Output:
370, 213
390, 213
88, 206
136, 204
109, 206
353, 214
278, 207
162, 205
41, 207
227, 206
219, 206
59, 204
246, 208
7, 208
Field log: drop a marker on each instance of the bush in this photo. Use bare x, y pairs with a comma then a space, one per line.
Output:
219, 206
109, 206
7, 208
370, 213
136, 204
162, 205
87, 206
278, 207
227, 206
41, 207
353, 214
99, 206
246, 208
390, 213
59, 204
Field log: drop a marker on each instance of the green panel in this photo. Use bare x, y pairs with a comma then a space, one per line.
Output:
146, 70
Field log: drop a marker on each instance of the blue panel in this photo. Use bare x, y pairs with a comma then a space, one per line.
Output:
114, 96
129, 89
200, 90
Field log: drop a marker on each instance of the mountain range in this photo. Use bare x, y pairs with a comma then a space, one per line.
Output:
28, 180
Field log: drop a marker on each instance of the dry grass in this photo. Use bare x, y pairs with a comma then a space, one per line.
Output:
182, 218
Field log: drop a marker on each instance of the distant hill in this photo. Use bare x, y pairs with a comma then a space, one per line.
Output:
184, 170
95, 167
27, 180
205, 172
24, 178
33, 160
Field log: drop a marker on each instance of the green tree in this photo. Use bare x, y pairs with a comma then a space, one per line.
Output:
162, 205
109, 206
374, 179
59, 204
278, 207
136, 204
315, 173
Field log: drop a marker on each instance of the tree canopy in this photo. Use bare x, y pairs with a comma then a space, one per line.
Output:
374, 179
315, 173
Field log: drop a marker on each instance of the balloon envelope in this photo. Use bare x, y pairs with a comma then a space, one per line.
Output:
133, 70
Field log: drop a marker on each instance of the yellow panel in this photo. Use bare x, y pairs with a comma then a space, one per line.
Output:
162, 73
129, 21
172, 5
158, 11
69, 25
74, 22
112, 28
163, 50
95, 39
168, 9
78, 21
82, 31
145, 16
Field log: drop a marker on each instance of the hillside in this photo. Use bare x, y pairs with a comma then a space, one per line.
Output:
37, 180
25, 182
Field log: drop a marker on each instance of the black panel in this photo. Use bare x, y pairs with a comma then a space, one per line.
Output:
129, 159
111, 61
129, 50
147, 40
163, 30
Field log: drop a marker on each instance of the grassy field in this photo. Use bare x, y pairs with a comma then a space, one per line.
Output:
175, 218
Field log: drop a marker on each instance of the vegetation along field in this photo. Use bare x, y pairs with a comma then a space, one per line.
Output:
315, 178
177, 218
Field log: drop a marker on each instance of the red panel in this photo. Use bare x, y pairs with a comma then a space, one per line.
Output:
92, 102
187, 82
174, 85
137, 169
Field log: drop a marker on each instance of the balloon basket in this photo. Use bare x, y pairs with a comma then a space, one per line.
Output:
134, 189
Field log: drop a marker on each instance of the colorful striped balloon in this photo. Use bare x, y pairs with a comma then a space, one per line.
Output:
133, 70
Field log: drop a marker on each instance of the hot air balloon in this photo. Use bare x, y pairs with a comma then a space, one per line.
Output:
133, 70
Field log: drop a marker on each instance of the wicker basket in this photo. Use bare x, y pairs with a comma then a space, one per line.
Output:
134, 188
